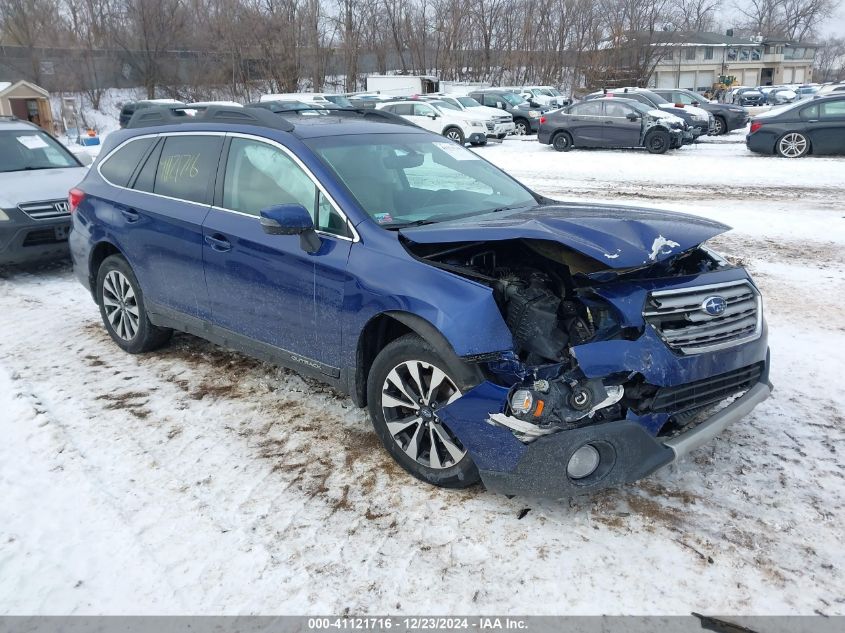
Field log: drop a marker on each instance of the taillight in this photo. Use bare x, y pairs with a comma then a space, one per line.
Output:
75, 198
542, 119
756, 125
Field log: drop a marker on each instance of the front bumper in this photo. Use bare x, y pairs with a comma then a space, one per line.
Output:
628, 451
23, 239
501, 130
477, 138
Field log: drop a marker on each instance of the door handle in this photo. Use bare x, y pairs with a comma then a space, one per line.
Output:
131, 215
218, 243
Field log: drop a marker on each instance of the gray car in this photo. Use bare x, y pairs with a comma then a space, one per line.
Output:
36, 173
611, 123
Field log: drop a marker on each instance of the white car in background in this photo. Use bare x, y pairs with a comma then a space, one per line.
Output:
544, 95
500, 123
322, 98
454, 125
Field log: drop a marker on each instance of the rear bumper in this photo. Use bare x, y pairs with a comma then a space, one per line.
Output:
761, 142
23, 239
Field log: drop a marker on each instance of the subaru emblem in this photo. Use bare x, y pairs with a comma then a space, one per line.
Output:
714, 306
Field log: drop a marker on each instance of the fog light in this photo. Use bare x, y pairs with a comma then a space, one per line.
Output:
522, 401
583, 462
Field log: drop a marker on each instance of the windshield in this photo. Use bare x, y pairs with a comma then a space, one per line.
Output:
651, 95
339, 100
22, 150
513, 99
468, 102
555, 92
404, 179
545, 93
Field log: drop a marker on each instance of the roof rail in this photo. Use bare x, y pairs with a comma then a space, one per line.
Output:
180, 114
364, 113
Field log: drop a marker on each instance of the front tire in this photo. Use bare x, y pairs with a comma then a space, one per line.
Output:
122, 308
720, 127
562, 142
792, 145
454, 134
657, 142
408, 382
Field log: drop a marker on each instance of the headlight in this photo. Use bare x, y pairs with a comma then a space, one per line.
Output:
534, 114
3, 216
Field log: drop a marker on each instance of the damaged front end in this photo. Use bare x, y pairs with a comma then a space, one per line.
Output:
617, 368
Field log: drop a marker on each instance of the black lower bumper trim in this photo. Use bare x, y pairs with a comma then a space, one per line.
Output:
541, 472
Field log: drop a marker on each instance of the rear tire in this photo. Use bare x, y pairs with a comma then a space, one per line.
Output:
793, 145
657, 141
122, 309
454, 134
521, 127
406, 385
562, 142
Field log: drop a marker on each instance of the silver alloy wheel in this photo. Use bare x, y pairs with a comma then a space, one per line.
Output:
121, 305
520, 129
719, 127
792, 145
454, 135
411, 395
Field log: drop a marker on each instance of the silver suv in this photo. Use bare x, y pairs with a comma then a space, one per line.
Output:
36, 173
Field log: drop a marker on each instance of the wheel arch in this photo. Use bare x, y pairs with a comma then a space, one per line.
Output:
99, 253
385, 327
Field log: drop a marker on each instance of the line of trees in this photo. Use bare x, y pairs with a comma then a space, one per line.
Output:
292, 44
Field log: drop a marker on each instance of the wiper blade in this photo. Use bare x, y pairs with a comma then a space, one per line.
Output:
405, 225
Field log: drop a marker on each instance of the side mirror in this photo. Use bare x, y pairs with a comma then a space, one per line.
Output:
696, 104
291, 219
632, 116
534, 104
432, 116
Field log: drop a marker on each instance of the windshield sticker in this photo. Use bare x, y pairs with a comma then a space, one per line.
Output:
456, 151
383, 218
32, 142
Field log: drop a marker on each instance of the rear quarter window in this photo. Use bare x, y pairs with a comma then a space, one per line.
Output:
119, 167
187, 167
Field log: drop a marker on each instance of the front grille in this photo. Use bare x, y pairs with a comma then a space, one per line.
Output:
680, 317
49, 210
489, 125
695, 395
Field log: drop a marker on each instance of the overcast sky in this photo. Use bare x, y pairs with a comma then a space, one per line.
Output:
833, 26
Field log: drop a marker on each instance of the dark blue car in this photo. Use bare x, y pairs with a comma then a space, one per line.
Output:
545, 348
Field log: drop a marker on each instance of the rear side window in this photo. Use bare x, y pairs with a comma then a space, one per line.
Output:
120, 166
403, 108
589, 108
811, 113
187, 166
833, 110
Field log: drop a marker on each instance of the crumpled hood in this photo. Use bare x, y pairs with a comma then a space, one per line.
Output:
18, 187
619, 237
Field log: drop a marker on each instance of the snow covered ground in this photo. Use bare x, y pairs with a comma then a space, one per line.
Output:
196, 480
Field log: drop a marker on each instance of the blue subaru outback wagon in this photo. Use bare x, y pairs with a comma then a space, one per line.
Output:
545, 348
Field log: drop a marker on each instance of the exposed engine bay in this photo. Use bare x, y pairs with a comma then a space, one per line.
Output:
545, 293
